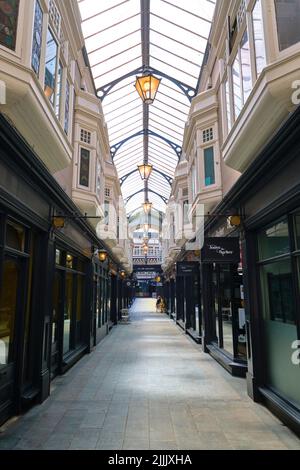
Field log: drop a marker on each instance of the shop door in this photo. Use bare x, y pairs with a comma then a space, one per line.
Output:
57, 314
10, 304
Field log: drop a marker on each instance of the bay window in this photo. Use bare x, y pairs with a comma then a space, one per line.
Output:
243, 67
56, 82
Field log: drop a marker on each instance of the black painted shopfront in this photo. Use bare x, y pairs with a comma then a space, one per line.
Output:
188, 298
267, 197
224, 334
55, 295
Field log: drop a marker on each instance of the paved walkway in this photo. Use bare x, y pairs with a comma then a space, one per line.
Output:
148, 386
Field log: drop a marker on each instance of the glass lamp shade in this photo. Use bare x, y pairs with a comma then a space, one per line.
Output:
147, 207
58, 222
147, 87
145, 170
102, 255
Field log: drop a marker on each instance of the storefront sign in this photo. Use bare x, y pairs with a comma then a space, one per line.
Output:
221, 250
187, 268
147, 268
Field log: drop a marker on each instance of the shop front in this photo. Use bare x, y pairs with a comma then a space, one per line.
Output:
69, 325
21, 245
54, 298
100, 289
188, 298
275, 328
267, 197
223, 303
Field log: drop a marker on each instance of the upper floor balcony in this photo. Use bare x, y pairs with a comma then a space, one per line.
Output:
254, 64
37, 70
268, 105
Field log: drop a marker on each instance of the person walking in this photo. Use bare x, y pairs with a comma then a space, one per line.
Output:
158, 303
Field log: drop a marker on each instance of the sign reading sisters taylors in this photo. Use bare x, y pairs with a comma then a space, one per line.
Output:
221, 250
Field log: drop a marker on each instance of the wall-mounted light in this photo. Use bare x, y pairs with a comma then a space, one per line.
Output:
235, 221
145, 171
102, 255
147, 87
58, 222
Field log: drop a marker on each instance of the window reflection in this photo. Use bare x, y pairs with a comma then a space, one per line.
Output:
79, 306
246, 66
56, 306
277, 290
274, 241
237, 91
50, 71
68, 312
15, 236
228, 107
37, 38
288, 20
259, 39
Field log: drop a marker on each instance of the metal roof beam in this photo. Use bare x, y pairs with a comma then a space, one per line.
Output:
176, 148
189, 91
167, 177
150, 191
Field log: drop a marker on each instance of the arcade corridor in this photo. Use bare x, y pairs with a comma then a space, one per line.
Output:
147, 386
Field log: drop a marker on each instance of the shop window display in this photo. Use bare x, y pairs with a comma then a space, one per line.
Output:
228, 310
278, 281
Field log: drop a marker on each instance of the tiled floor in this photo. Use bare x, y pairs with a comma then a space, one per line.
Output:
147, 386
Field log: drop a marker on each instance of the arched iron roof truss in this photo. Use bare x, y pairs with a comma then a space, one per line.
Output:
168, 38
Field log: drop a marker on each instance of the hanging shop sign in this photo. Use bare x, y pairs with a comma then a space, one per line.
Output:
221, 250
187, 268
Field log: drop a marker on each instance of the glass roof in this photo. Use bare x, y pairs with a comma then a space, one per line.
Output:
169, 36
